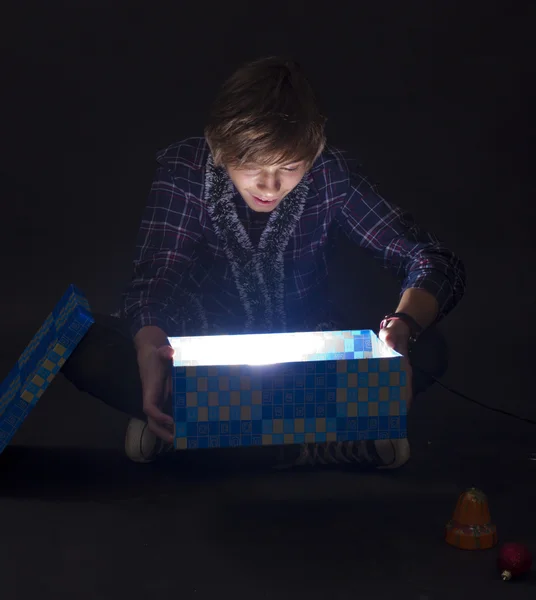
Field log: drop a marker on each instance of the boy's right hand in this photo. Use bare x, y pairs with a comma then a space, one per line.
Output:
155, 364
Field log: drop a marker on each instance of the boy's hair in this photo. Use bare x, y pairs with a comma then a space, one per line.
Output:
265, 113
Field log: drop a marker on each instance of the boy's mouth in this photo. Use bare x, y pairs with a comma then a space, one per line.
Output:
263, 200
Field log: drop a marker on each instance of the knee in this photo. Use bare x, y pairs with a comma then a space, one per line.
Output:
430, 352
429, 359
94, 356
79, 367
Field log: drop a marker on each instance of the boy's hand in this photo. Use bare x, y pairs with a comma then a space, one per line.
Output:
155, 372
396, 335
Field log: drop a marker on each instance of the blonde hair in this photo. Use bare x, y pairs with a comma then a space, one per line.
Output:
265, 113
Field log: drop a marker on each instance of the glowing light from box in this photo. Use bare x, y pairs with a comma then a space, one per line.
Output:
273, 348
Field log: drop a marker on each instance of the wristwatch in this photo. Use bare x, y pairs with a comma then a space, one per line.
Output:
414, 328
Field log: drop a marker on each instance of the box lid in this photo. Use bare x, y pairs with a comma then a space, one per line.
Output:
41, 360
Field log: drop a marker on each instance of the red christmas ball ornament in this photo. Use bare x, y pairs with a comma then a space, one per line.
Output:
514, 560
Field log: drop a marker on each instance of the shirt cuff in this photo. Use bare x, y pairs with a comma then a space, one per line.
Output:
439, 287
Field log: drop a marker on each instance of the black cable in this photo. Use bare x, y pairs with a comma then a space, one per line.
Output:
457, 393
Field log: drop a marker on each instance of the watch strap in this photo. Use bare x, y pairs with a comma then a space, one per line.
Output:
414, 327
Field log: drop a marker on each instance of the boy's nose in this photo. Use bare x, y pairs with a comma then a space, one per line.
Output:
270, 186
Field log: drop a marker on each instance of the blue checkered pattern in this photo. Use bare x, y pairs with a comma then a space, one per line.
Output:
300, 402
41, 360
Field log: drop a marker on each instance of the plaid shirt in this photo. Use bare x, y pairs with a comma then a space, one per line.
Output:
177, 247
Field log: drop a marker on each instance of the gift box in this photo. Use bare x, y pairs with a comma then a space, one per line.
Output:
44, 356
289, 388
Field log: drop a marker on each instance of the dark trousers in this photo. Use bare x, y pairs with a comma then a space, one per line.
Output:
104, 364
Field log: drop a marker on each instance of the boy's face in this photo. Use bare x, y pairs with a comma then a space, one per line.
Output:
263, 187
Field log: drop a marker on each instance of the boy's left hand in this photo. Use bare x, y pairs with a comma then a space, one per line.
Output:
396, 335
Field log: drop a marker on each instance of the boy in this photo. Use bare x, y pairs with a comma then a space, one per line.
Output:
234, 240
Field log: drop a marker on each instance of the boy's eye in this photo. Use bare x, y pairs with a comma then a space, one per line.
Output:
256, 168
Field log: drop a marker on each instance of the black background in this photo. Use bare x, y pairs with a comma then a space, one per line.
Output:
437, 100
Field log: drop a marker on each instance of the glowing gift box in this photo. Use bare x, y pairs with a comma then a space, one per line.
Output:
290, 388
42, 359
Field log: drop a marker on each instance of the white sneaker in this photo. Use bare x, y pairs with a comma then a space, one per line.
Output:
381, 454
141, 444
